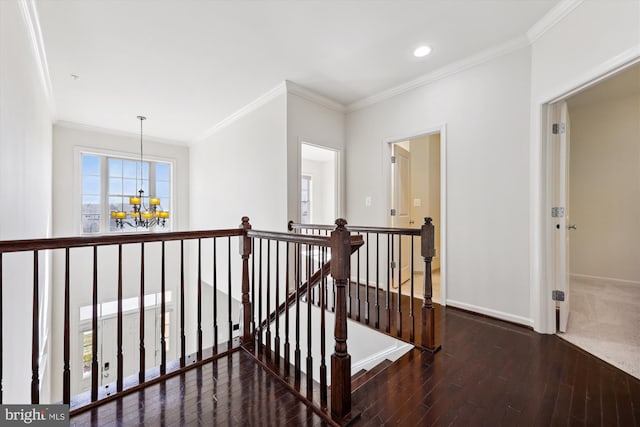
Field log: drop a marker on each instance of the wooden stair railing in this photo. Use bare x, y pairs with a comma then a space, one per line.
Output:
385, 319
336, 408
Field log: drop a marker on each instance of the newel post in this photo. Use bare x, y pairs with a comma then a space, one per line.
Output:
340, 359
428, 251
245, 252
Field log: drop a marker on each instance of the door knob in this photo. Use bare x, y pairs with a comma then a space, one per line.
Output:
572, 227
411, 221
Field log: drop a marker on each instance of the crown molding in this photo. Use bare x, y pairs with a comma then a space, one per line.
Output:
280, 89
32, 23
115, 132
441, 73
555, 15
314, 97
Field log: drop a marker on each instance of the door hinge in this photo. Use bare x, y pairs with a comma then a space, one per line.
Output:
557, 128
393, 212
557, 212
393, 265
557, 295
393, 159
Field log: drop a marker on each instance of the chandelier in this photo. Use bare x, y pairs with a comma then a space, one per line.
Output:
141, 216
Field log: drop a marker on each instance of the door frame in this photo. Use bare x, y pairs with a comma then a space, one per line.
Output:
339, 180
542, 248
387, 150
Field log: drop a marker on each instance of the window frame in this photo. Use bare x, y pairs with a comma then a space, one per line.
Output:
105, 154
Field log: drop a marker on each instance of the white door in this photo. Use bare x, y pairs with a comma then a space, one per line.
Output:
561, 216
401, 214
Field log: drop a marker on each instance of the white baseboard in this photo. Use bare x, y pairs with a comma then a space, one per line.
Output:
604, 279
490, 312
391, 353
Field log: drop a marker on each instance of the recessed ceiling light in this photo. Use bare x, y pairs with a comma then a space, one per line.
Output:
422, 51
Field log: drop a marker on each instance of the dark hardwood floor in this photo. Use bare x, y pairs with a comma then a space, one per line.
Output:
488, 373
493, 373
231, 391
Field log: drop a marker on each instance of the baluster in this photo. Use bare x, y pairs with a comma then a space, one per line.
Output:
215, 296
309, 357
323, 302
357, 283
388, 297
183, 340
268, 333
287, 346
297, 350
411, 314
230, 343
245, 252
277, 305
35, 337
260, 323
253, 294
199, 308
119, 354
428, 251
66, 375
1, 326
377, 324
141, 375
163, 343
399, 267
94, 327
340, 359
366, 285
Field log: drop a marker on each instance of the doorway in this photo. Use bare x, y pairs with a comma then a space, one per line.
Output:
603, 203
318, 184
417, 189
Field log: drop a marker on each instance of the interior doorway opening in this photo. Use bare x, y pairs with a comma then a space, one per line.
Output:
417, 193
593, 267
318, 184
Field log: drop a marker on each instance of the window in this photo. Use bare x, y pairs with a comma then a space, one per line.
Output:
108, 183
87, 353
305, 200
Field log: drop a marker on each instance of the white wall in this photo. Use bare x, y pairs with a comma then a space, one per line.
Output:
310, 122
605, 188
68, 139
486, 110
25, 196
322, 190
595, 38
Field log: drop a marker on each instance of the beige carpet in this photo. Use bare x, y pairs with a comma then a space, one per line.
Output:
604, 320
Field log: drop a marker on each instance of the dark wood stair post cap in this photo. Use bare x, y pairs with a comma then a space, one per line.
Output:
428, 249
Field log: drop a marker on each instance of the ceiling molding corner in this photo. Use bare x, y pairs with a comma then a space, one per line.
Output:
314, 97
441, 73
548, 21
278, 90
32, 23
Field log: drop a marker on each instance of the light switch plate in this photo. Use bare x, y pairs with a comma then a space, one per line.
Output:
417, 203
367, 201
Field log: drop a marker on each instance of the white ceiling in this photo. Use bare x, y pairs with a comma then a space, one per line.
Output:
188, 64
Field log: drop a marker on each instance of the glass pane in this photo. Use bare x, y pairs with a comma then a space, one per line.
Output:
145, 170
162, 189
91, 204
129, 188
117, 203
91, 185
115, 185
162, 172
91, 223
115, 167
129, 169
90, 165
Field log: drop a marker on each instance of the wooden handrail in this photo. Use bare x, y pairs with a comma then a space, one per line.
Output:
357, 229
87, 241
306, 239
